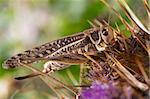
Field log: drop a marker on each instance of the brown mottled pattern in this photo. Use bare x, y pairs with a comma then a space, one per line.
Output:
37, 53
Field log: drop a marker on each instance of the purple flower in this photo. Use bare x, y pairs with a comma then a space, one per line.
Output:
100, 90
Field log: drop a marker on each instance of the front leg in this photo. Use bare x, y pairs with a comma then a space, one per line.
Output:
101, 47
63, 61
87, 55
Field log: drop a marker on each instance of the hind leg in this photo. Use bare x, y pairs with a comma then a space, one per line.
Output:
52, 66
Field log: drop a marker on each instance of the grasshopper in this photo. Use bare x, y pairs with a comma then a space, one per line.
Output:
74, 49
61, 53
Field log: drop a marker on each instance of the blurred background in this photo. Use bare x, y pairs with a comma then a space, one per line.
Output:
25, 24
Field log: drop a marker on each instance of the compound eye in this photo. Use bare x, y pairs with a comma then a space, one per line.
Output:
104, 32
107, 35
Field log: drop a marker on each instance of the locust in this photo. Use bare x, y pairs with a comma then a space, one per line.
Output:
61, 53
74, 49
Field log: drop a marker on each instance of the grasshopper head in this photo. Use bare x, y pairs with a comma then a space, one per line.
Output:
102, 34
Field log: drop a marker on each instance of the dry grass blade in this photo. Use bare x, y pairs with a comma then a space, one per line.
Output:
19, 90
121, 74
51, 87
125, 23
140, 43
61, 94
140, 65
71, 77
46, 75
91, 23
148, 11
129, 76
27, 76
148, 47
132, 16
147, 6
120, 17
